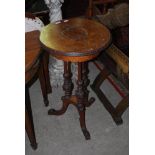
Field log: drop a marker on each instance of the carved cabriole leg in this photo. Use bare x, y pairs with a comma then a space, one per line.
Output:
29, 120
86, 82
67, 87
80, 101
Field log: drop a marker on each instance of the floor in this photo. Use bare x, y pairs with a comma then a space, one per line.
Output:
61, 135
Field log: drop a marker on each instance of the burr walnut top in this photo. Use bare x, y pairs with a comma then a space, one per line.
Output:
75, 37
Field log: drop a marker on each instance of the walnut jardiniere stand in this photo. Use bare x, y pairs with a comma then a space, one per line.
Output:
75, 40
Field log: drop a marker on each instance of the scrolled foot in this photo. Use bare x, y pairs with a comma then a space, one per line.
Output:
86, 134
58, 112
51, 112
34, 146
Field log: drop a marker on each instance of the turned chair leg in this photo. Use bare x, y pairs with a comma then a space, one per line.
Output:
29, 120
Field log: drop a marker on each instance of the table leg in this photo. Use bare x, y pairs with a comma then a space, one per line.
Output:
80, 99
80, 93
43, 84
29, 120
86, 82
46, 72
67, 87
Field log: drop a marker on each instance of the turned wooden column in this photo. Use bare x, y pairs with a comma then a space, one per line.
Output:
68, 85
86, 81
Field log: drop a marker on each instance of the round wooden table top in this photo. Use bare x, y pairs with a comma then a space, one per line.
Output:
75, 39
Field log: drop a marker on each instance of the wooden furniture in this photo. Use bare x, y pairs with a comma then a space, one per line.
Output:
75, 40
122, 60
46, 55
116, 60
35, 65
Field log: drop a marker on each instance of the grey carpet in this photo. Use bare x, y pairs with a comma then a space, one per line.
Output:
61, 135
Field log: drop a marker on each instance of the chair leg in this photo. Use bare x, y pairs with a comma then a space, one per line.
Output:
117, 112
123, 105
29, 120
